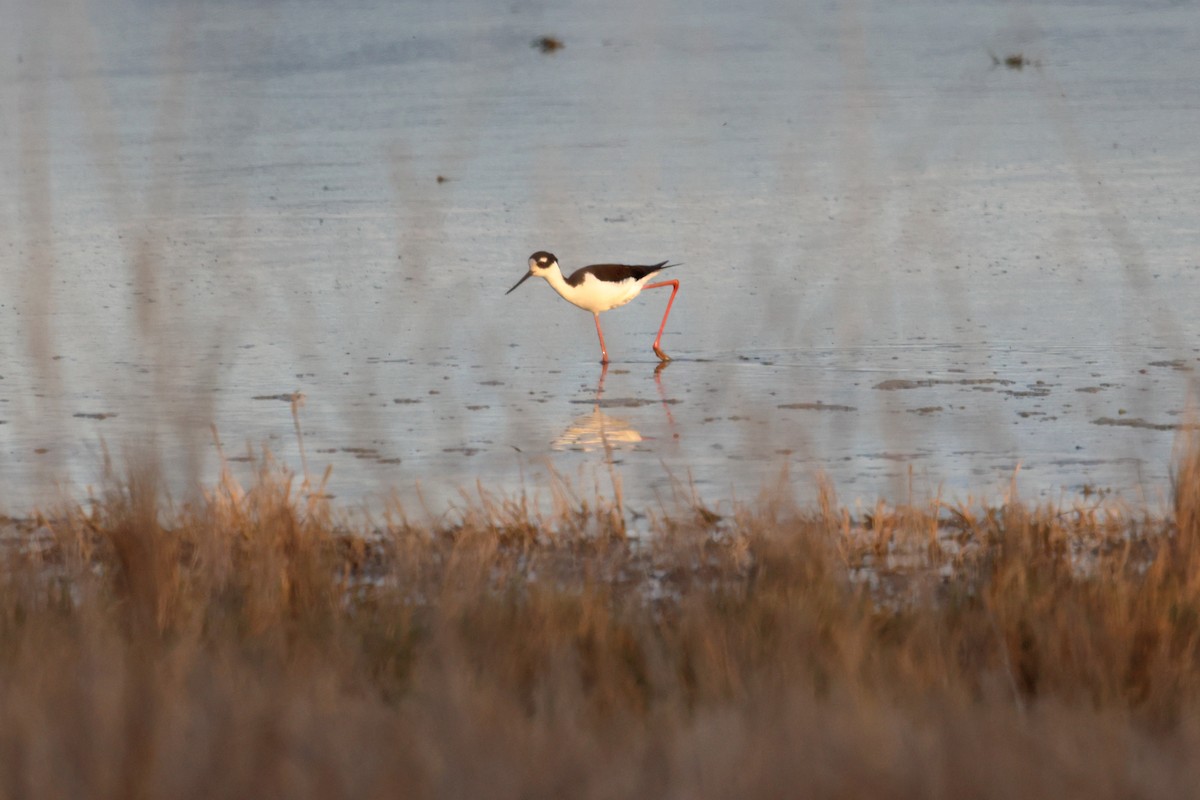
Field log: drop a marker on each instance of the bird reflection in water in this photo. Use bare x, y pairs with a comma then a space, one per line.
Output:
598, 430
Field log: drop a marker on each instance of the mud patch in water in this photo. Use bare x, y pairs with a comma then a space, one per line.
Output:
818, 406
287, 398
361, 452
1136, 422
924, 383
625, 402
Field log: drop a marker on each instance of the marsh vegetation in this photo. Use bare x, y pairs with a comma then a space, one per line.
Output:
258, 641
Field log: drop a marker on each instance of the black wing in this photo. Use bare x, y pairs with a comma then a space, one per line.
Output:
615, 273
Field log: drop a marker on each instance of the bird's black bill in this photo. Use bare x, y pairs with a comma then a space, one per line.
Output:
518, 283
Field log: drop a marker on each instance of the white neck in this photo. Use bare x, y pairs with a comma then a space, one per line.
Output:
555, 278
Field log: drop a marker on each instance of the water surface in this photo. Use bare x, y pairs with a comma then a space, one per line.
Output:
906, 265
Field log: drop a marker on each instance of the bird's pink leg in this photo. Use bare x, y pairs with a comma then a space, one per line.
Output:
600, 333
658, 339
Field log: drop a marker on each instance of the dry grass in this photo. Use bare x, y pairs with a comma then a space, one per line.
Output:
254, 644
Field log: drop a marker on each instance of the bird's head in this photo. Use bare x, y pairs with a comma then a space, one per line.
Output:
541, 264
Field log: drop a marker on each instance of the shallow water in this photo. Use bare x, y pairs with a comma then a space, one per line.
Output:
905, 265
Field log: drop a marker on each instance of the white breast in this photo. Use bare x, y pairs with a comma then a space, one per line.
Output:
595, 295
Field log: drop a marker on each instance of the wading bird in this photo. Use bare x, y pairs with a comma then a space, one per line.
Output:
601, 287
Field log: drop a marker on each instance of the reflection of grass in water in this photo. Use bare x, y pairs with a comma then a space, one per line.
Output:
259, 643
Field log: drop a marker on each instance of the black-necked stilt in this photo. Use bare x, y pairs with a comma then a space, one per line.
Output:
601, 287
